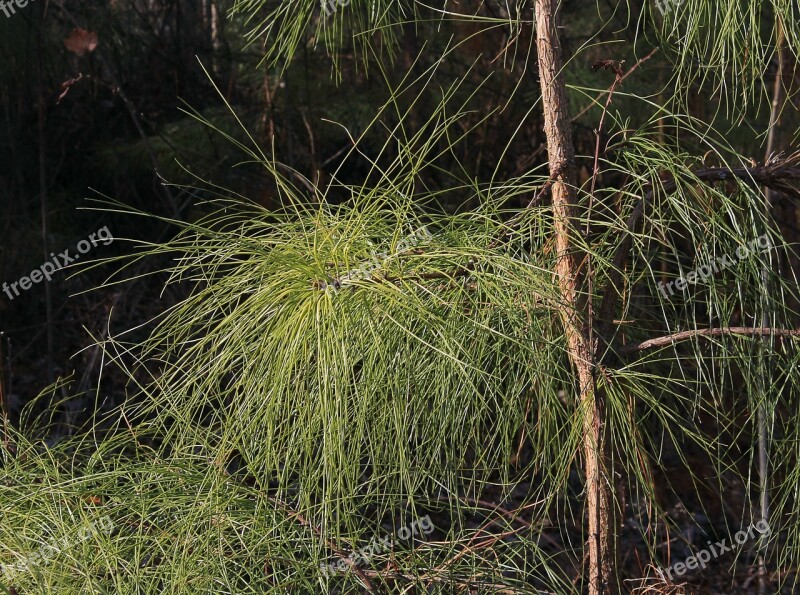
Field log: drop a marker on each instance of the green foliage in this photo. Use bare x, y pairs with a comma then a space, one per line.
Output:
728, 44
326, 379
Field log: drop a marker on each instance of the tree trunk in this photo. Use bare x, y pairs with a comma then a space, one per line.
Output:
561, 155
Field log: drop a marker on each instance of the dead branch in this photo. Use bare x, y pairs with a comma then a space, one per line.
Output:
706, 332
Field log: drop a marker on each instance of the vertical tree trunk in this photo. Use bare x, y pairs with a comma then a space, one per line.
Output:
764, 420
561, 155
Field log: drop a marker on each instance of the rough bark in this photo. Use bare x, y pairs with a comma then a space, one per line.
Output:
561, 155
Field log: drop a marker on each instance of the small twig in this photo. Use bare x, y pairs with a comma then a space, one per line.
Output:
514, 514
268, 120
762, 413
4, 408
336, 154
300, 177
490, 541
707, 332
303, 521
312, 148
619, 76
513, 223
627, 74
448, 580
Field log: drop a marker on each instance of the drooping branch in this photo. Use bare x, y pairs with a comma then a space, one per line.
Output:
706, 332
508, 229
776, 175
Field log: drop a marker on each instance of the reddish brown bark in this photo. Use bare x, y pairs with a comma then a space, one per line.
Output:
561, 155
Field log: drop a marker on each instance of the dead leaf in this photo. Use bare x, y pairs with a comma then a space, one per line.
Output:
612, 65
81, 41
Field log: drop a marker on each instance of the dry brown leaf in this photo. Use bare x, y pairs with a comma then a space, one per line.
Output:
81, 41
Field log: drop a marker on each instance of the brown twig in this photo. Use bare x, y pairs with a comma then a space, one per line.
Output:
762, 413
514, 514
707, 332
470, 547
303, 521
626, 75
513, 223
619, 76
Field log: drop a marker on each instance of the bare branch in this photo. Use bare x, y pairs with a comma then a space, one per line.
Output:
706, 332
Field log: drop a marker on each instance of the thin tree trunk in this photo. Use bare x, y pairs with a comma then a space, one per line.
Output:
561, 155
49, 373
764, 420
